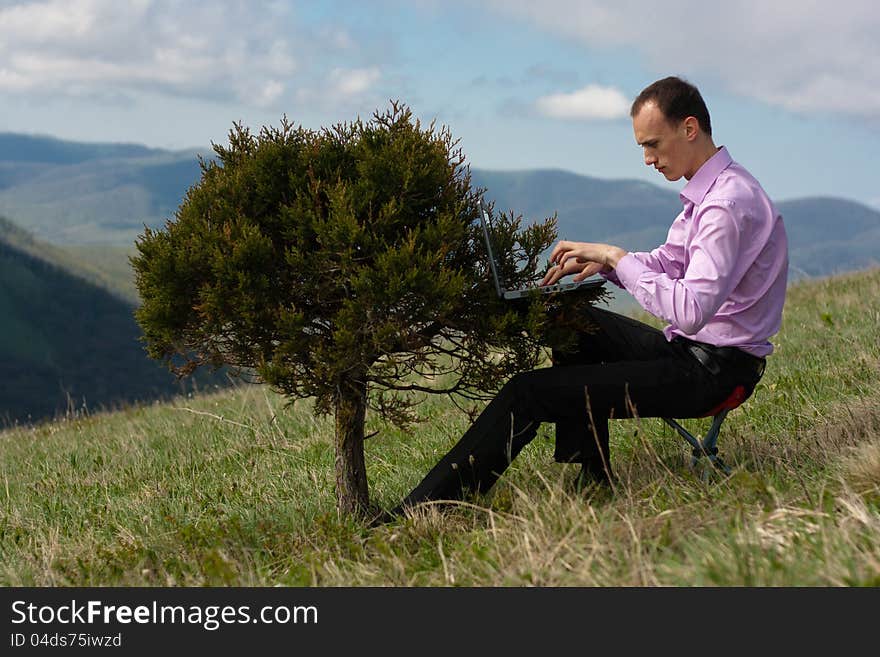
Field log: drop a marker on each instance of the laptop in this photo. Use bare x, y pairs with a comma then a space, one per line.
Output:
556, 288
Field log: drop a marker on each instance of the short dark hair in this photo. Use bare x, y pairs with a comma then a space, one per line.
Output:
677, 99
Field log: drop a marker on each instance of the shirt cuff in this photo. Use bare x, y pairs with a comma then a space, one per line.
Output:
629, 269
611, 277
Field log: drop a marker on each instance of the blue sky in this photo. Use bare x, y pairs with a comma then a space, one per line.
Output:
793, 87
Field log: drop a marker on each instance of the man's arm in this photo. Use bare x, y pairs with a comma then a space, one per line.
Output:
666, 258
687, 299
690, 299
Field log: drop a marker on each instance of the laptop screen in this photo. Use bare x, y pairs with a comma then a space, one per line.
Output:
484, 219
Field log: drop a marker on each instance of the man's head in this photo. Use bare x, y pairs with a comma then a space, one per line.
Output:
672, 125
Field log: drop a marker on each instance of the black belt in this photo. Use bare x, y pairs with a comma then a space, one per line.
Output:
711, 357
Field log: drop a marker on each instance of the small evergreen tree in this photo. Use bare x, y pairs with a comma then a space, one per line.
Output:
343, 265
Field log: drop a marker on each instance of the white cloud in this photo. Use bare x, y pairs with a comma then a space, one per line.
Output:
590, 103
352, 82
220, 51
342, 91
74, 47
270, 92
803, 55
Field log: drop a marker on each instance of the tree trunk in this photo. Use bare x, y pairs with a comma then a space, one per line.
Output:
352, 495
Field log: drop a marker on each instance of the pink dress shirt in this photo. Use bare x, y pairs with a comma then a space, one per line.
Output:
720, 277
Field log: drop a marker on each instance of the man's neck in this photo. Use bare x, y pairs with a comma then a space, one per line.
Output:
703, 154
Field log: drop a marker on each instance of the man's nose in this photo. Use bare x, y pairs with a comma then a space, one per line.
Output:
650, 159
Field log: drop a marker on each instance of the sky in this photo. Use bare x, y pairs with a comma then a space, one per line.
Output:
793, 87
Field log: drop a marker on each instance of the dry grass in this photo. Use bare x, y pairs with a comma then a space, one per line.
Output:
234, 489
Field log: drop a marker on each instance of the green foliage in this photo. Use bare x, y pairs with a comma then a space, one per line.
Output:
351, 254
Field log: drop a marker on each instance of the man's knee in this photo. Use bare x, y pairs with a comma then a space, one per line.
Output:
523, 388
515, 385
560, 357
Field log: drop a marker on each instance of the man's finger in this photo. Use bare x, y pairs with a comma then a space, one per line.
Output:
560, 248
590, 270
553, 275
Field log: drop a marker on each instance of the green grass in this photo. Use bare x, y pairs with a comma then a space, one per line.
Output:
236, 489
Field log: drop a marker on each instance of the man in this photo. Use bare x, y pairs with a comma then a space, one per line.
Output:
718, 281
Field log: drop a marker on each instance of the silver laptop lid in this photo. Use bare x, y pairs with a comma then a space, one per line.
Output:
527, 291
484, 220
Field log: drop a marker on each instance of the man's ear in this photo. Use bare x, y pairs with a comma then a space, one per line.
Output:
691, 128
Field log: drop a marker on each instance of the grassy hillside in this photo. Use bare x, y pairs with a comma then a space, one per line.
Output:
108, 265
233, 488
105, 266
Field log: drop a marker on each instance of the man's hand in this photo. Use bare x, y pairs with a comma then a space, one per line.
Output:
558, 271
584, 257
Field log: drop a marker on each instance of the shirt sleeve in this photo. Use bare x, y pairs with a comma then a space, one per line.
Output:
688, 297
611, 277
666, 258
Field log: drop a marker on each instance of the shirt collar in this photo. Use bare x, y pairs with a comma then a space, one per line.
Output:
697, 187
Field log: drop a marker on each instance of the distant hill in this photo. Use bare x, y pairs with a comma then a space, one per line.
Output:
66, 343
826, 235
105, 266
585, 206
71, 193
80, 195
49, 150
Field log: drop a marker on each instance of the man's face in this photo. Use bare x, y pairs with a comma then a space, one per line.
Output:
666, 146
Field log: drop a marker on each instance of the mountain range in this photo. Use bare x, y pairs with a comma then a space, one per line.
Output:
72, 193
68, 338
75, 194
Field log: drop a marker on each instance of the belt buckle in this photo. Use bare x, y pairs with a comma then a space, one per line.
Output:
760, 367
705, 359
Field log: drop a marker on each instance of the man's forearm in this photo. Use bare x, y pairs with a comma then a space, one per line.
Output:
613, 256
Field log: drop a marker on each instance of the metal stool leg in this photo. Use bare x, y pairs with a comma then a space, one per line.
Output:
708, 445
684, 433
709, 448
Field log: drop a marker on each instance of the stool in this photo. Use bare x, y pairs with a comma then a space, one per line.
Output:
707, 447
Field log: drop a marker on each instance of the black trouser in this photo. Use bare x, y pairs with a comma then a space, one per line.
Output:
622, 369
